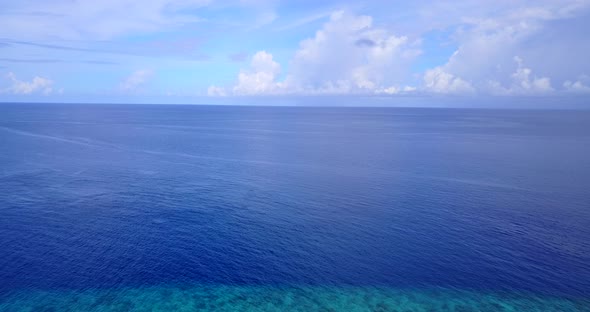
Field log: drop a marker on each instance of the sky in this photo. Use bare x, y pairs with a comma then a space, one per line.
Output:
169, 51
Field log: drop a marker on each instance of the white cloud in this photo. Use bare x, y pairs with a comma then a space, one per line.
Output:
521, 82
395, 90
304, 21
260, 77
488, 41
216, 91
582, 85
136, 80
37, 85
111, 19
437, 80
102, 20
347, 55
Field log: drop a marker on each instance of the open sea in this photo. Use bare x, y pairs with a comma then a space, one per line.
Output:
219, 208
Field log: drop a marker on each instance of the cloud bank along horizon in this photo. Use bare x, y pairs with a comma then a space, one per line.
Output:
166, 48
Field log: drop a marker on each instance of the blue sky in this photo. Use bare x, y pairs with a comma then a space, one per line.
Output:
177, 50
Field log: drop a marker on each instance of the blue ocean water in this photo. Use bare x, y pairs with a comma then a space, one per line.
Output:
168, 207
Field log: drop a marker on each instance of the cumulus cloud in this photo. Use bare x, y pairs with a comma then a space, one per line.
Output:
37, 85
437, 80
582, 85
394, 51
491, 43
522, 82
347, 55
260, 78
136, 80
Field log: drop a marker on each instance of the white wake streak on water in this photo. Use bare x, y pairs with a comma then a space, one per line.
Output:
105, 145
102, 145
44, 136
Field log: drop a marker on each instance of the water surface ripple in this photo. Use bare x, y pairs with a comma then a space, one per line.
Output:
141, 207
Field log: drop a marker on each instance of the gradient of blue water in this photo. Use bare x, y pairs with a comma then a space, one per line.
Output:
106, 196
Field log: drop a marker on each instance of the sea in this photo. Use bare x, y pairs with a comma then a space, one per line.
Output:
232, 208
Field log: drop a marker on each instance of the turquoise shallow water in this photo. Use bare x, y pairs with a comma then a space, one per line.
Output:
261, 298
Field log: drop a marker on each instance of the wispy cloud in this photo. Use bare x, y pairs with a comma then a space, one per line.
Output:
51, 46
52, 61
136, 80
304, 21
36, 85
33, 61
154, 48
101, 20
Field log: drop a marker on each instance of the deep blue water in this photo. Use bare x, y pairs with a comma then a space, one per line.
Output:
124, 199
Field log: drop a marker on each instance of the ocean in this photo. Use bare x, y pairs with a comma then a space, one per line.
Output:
229, 208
